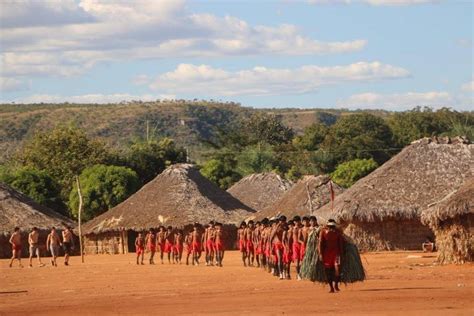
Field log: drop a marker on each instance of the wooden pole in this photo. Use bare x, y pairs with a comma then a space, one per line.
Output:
309, 199
79, 215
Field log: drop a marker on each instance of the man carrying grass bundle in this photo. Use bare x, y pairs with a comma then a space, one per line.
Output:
330, 249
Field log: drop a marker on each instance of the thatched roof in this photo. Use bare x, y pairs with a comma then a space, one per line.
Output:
17, 209
401, 188
309, 193
260, 190
454, 204
179, 196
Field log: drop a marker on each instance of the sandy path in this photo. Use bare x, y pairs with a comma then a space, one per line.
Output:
398, 283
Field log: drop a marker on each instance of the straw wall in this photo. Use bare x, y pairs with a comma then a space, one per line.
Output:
389, 234
455, 239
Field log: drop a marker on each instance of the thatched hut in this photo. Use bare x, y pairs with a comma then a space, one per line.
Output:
304, 198
382, 210
179, 197
452, 220
18, 210
260, 190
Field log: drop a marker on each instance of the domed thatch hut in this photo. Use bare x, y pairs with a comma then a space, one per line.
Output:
452, 220
304, 198
18, 210
179, 196
382, 210
260, 190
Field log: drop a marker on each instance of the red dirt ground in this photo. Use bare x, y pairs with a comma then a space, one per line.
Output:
398, 283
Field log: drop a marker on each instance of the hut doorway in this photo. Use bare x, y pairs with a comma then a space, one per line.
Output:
131, 236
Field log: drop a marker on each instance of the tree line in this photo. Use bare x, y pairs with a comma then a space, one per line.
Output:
348, 148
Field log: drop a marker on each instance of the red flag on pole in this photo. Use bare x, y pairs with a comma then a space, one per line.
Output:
331, 190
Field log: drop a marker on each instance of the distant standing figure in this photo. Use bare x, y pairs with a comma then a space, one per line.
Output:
34, 248
196, 244
15, 241
219, 244
150, 241
330, 249
67, 244
52, 244
140, 248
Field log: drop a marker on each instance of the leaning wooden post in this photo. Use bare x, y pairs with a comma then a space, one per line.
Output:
309, 199
79, 215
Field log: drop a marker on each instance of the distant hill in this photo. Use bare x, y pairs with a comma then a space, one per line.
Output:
187, 122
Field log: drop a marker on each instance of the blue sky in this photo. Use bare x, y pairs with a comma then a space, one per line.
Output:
387, 54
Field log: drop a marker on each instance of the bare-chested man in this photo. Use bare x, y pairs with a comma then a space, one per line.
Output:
219, 244
140, 248
34, 246
160, 241
68, 244
257, 243
264, 241
15, 241
296, 245
169, 240
250, 249
178, 246
52, 244
277, 243
242, 241
150, 241
330, 248
196, 243
303, 237
209, 242
188, 245
287, 248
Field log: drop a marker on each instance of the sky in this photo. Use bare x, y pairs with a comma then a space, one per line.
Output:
356, 54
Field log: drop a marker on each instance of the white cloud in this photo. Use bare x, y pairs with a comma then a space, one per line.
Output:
12, 84
398, 101
207, 80
66, 38
374, 2
468, 86
90, 98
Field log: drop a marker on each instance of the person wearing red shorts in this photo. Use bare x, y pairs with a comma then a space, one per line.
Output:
196, 243
296, 245
140, 248
188, 246
277, 242
150, 241
160, 241
330, 249
219, 244
242, 241
15, 241
178, 246
287, 249
209, 236
169, 240
257, 243
249, 243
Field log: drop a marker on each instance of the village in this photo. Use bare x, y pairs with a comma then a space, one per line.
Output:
424, 194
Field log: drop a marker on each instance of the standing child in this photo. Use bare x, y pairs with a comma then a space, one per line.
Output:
15, 241
140, 248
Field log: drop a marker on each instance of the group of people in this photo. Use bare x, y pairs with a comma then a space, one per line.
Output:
53, 243
174, 242
276, 244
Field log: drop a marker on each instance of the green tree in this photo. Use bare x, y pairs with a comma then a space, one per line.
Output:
347, 173
63, 153
264, 128
103, 187
221, 171
149, 159
256, 159
312, 137
359, 136
36, 184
